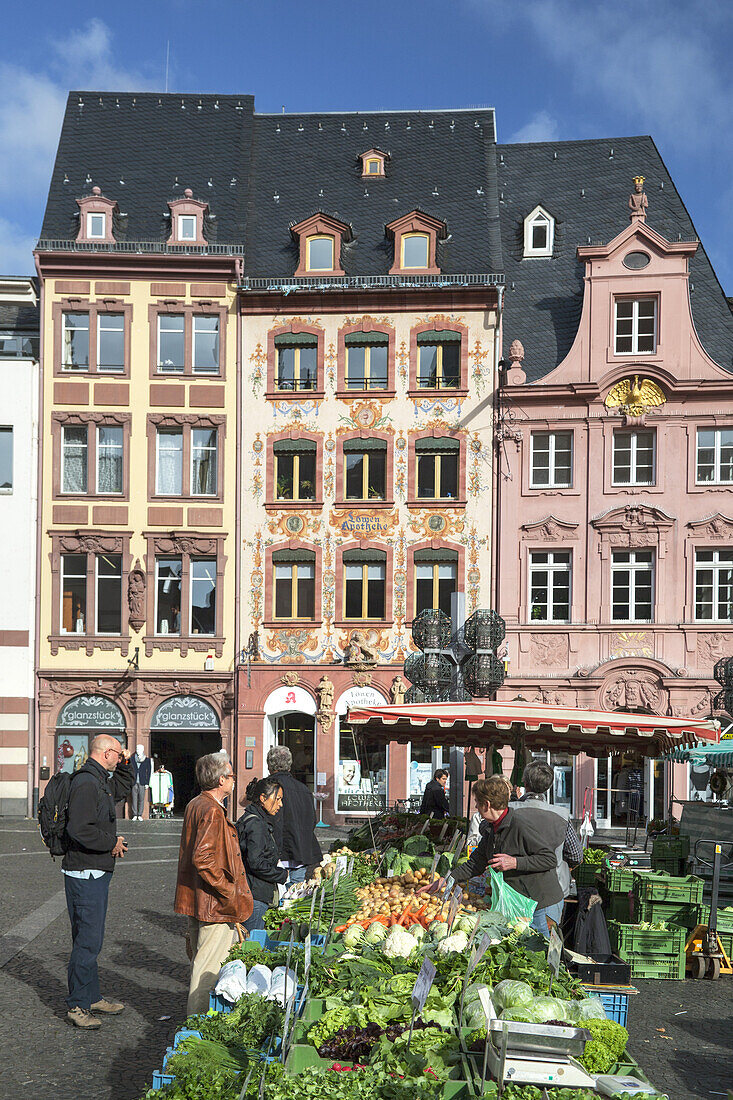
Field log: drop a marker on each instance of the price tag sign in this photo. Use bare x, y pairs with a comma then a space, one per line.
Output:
390, 873
455, 840
485, 997
554, 952
335, 879
436, 857
443, 831
313, 908
455, 901
288, 1013
320, 907
350, 868
449, 883
422, 985
308, 947
425, 824
481, 949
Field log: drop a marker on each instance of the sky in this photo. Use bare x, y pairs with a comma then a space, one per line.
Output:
553, 69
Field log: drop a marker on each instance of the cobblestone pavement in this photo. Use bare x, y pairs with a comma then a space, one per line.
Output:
143, 962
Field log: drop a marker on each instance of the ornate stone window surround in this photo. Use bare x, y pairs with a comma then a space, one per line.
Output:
96, 203
438, 326
271, 494
341, 501
635, 527
578, 431
341, 361
373, 155
713, 533
710, 423
187, 205
92, 420
308, 548
613, 424
72, 304
185, 545
416, 222
363, 544
559, 538
200, 308
433, 544
319, 225
186, 422
297, 395
90, 543
413, 501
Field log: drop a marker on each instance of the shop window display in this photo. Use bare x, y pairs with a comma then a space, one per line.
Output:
362, 773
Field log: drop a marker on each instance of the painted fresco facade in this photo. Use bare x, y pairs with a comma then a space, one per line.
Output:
361, 657
615, 524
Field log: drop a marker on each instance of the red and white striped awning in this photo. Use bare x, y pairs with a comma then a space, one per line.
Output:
561, 729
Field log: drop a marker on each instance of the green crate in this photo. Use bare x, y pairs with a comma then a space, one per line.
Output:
671, 847
585, 874
650, 954
619, 880
672, 912
724, 921
627, 1067
617, 906
671, 969
303, 1056
669, 865
656, 887
314, 1009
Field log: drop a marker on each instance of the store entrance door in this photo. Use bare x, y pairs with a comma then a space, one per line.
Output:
183, 729
297, 732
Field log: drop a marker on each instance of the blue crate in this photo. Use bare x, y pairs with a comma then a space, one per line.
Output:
615, 1005
160, 1079
184, 1033
261, 937
219, 1004
169, 1052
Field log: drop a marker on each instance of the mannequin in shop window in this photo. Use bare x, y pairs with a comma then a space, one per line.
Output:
161, 792
142, 769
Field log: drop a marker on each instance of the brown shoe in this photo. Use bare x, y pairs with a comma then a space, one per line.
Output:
111, 1008
79, 1017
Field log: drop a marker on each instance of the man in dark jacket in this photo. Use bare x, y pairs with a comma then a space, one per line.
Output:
294, 825
434, 801
520, 845
93, 847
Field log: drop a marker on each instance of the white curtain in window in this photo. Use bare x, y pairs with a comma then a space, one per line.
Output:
203, 474
75, 459
109, 460
170, 463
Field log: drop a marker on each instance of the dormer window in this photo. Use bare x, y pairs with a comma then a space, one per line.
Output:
415, 250
372, 162
319, 252
416, 244
319, 239
96, 217
96, 226
539, 233
186, 227
187, 219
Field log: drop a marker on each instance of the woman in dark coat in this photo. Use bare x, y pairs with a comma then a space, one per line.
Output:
259, 850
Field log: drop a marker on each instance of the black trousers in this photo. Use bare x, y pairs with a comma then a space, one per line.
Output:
86, 900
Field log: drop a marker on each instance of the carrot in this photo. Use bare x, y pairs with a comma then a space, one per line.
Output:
341, 928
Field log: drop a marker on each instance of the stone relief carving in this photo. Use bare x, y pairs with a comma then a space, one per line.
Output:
548, 650
360, 653
711, 647
635, 689
632, 643
717, 527
549, 530
291, 679
90, 543
136, 583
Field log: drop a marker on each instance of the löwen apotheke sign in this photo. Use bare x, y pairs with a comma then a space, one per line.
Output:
364, 523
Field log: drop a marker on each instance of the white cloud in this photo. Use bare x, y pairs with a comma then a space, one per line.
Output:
16, 250
32, 106
541, 127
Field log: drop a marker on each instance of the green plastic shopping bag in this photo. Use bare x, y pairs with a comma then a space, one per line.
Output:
508, 901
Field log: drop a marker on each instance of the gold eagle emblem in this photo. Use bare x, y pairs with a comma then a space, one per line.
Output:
634, 397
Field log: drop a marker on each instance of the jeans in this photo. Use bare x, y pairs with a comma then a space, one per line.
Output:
259, 908
86, 900
296, 874
554, 912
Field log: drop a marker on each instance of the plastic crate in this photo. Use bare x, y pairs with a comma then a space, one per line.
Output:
585, 874
313, 1009
219, 1004
669, 865
617, 906
724, 921
615, 1005
160, 1079
671, 847
655, 887
651, 954
184, 1033
618, 880
687, 916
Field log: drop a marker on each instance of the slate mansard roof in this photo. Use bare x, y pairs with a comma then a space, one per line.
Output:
585, 186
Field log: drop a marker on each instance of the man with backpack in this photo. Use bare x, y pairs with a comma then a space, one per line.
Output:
91, 848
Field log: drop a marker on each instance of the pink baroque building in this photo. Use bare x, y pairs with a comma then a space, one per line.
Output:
614, 471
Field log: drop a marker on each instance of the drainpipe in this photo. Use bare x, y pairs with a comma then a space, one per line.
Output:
34, 735
495, 459
237, 531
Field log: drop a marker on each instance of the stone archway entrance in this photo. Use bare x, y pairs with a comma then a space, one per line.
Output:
182, 729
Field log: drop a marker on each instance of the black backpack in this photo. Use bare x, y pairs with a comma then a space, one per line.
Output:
53, 813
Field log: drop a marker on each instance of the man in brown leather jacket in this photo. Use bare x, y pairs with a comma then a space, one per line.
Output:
212, 889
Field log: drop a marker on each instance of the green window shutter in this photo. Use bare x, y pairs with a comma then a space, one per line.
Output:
441, 445
441, 336
366, 339
296, 340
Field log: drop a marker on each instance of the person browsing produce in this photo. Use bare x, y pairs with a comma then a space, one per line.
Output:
295, 822
521, 846
259, 849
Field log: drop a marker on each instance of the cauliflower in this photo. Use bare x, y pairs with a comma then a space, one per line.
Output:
399, 943
458, 942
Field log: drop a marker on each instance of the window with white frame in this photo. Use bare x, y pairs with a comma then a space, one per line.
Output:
635, 326
714, 585
171, 343
319, 252
714, 456
203, 461
205, 344
203, 596
294, 584
365, 574
108, 601
415, 251
551, 460
74, 458
186, 227
169, 461
539, 233
75, 340
634, 457
549, 585
632, 586
111, 342
110, 450
6, 459
436, 579
96, 228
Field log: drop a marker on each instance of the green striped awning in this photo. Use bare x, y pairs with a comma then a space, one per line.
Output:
356, 446
279, 557
296, 340
293, 446
436, 556
439, 336
441, 445
356, 556
365, 339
